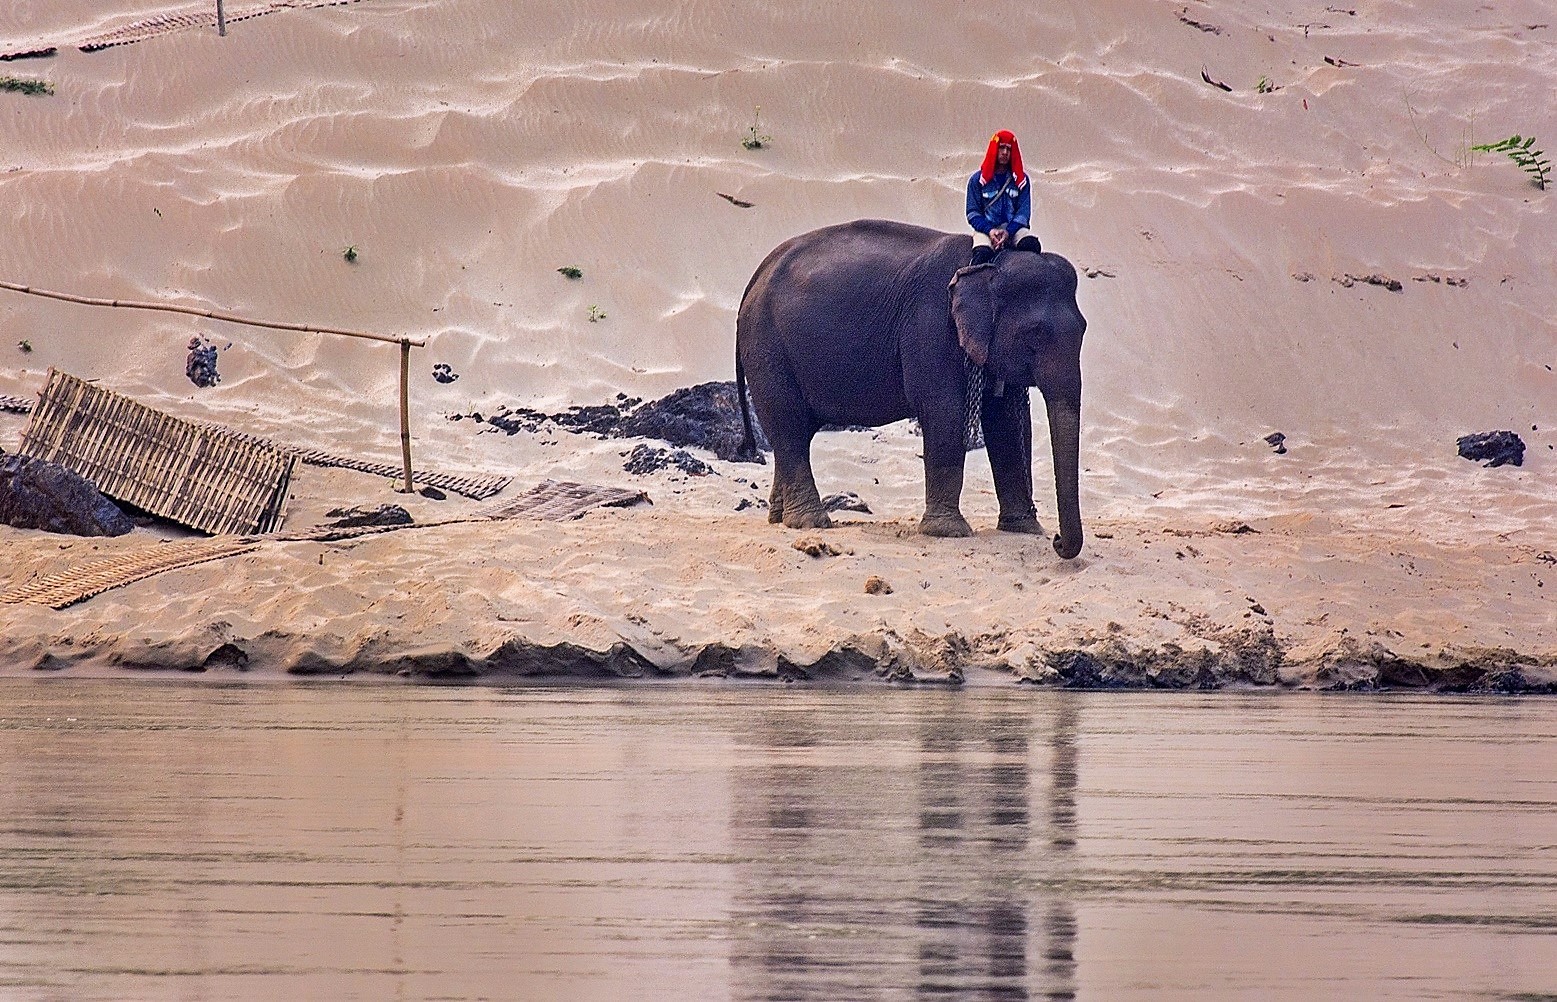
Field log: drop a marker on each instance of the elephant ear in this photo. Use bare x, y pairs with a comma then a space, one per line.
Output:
973, 310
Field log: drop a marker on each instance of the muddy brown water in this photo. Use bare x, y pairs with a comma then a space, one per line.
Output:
710, 841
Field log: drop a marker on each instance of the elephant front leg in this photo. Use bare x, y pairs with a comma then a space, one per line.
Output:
1008, 439
942, 502
943, 468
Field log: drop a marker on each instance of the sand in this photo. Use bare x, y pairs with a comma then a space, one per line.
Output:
467, 151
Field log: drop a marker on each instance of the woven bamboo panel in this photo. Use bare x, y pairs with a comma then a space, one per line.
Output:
68, 587
15, 405
558, 500
190, 473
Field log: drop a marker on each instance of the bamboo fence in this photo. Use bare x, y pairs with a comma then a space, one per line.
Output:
405, 343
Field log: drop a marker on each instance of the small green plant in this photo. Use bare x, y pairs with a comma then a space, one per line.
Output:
568, 271
25, 346
1521, 150
22, 86
350, 254
1264, 86
596, 314
756, 139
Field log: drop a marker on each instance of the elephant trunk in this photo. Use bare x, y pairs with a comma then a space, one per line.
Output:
1065, 441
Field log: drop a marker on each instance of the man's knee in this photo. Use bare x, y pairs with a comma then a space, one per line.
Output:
1026, 240
983, 250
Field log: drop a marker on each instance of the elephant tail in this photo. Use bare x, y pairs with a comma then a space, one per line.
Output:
748, 450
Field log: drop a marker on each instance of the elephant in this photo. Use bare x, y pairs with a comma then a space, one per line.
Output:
874, 321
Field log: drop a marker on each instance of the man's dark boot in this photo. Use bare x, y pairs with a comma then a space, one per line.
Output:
982, 255
1029, 243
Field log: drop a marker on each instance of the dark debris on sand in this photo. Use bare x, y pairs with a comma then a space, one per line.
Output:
706, 416
648, 459
200, 366
1496, 448
384, 514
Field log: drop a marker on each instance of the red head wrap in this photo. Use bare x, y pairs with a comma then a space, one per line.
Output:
987, 171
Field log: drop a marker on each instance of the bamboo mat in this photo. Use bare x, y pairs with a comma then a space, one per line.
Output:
476, 486
76, 584
550, 500
203, 16
558, 500
198, 16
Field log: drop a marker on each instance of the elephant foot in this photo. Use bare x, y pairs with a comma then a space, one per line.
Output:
953, 525
817, 519
1020, 523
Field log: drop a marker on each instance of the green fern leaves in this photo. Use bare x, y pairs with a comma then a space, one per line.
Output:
1522, 151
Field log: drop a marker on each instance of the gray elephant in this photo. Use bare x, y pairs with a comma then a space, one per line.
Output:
870, 322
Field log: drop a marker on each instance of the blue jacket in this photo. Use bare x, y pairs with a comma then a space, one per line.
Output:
1001, 202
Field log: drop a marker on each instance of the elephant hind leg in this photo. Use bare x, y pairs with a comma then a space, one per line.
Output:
790, 425
796, 500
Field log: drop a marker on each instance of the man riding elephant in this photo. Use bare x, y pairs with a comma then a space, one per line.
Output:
1000, 206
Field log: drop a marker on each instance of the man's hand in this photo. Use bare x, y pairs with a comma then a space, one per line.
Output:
997, 237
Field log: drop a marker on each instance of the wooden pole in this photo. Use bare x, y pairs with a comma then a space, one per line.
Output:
221, 19
208, 314
405, 412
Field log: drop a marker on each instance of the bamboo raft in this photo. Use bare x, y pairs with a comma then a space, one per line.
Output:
15, 405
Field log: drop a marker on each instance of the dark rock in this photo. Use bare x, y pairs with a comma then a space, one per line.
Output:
352, 518
846, 501
1496, 447
648, 459
200, 367
429, 491
707, 415
1382, 281
39, 495
443, 373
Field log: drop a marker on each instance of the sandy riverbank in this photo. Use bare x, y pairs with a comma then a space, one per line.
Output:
467, 153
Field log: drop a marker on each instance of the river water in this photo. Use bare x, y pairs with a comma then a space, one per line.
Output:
703, 841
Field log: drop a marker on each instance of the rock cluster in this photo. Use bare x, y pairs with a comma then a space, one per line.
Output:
38, 495
707, 416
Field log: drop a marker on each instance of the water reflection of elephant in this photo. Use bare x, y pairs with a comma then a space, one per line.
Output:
938, 870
